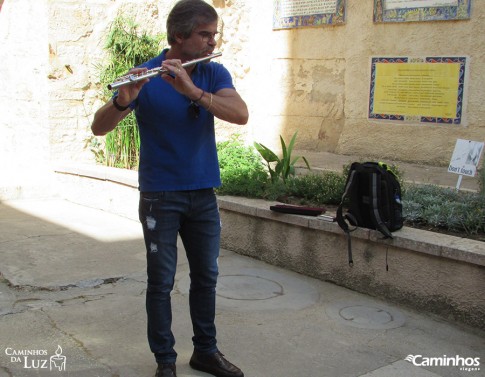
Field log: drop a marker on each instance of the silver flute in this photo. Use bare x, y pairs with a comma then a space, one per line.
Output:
131, 78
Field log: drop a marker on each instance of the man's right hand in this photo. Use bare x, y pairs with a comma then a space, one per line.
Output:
108, 116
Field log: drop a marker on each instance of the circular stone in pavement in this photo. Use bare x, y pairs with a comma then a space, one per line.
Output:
367, 315
255, 289
247, 287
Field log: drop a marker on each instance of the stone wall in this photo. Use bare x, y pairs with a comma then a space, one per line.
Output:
77, 32
319, 80
24, 104
311, 80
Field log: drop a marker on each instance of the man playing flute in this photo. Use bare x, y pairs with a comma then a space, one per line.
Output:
177, 173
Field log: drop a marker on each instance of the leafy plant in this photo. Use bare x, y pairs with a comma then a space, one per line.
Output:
413, 211
429, 206
445, 208
97, 148
284, 166
321, 188
242, 172
127, 47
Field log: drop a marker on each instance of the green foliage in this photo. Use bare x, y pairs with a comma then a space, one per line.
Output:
97, 148
127, 47
445, 208
322, 188
429, 206
242, 172
280, 167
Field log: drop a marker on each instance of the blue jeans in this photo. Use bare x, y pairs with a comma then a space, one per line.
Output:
194, 215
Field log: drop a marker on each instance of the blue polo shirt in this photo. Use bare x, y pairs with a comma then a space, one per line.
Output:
178, 151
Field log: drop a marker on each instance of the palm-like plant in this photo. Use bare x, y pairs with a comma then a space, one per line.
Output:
280, 167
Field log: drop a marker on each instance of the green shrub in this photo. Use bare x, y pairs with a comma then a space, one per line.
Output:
242, 171
445, 208
413, 211
126, 48
322, 188
276, 191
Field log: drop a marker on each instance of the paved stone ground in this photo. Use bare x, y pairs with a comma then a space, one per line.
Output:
72, 289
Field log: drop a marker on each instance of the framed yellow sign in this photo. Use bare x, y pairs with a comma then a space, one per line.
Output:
423, 90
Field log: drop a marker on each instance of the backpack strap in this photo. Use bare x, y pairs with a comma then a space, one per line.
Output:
342, 219
375, 190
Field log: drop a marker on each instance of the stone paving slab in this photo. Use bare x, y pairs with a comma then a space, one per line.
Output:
74, 277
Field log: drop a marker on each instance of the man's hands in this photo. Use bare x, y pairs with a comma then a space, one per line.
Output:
179, 78
225, 104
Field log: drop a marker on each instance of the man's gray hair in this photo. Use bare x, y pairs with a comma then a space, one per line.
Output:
186, 15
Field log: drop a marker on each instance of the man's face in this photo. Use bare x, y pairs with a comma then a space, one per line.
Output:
201, 42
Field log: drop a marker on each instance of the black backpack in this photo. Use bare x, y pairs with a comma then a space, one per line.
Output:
373, 196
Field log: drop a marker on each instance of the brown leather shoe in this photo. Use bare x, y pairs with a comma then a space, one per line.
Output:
166, 370
215, 364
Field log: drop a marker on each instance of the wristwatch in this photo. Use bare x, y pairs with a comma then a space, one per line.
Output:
118, 106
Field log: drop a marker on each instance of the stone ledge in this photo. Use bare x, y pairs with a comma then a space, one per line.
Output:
439, 245
101, 172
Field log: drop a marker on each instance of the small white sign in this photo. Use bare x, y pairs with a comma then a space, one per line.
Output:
466, 157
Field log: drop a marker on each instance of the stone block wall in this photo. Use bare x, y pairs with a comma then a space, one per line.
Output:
24, 99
